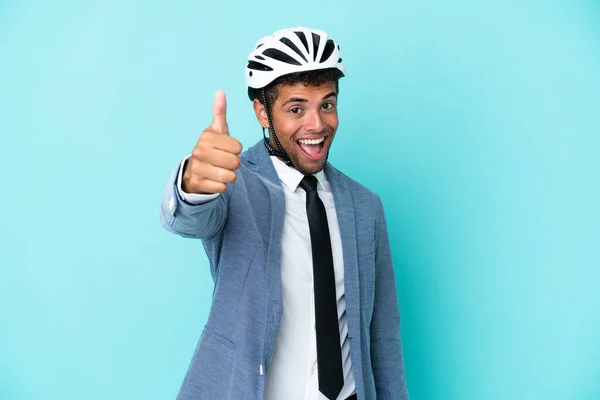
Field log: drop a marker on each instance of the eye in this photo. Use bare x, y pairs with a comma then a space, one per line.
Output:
295, 110
328, 106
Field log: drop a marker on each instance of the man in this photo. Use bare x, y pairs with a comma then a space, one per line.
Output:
305, 304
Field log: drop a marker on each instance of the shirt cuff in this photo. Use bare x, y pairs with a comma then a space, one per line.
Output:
192, 198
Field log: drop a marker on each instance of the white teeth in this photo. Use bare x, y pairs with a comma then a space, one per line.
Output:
313, 141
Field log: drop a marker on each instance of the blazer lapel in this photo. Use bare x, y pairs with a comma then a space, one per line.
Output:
344, 208
260, 163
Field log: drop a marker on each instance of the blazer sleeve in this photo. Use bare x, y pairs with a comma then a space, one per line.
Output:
200, 221
386, 345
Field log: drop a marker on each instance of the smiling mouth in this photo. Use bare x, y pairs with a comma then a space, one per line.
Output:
312, 148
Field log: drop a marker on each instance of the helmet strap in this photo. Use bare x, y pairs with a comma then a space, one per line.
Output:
280, 152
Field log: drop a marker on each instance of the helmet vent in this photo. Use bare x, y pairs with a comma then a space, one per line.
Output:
292, 46
316, 39
329, 47
302, 39
259, 66
280, 56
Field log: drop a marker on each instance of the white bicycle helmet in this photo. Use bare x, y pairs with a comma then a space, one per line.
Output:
287, 51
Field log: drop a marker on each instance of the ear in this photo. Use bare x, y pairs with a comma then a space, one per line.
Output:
261, 113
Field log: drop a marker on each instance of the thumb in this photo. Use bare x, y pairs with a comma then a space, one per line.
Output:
219, 112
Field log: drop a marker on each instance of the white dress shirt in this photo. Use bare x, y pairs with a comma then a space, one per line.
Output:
293, 374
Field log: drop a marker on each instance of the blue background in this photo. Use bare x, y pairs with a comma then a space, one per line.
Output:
476, 122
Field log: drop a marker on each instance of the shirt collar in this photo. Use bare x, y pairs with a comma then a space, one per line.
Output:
291, 177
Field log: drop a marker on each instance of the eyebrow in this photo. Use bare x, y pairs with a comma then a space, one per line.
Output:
301, 100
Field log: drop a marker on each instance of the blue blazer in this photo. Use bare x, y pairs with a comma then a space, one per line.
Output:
241, 233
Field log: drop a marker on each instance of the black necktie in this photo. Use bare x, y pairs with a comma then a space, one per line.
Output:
329, 352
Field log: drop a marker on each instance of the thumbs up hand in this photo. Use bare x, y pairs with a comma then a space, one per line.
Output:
215, 157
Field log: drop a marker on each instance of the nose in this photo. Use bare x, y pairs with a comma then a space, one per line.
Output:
314, 122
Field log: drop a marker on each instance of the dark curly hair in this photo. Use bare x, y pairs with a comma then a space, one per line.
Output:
314, 78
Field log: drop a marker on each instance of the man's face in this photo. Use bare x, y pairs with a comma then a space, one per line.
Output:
305, 120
